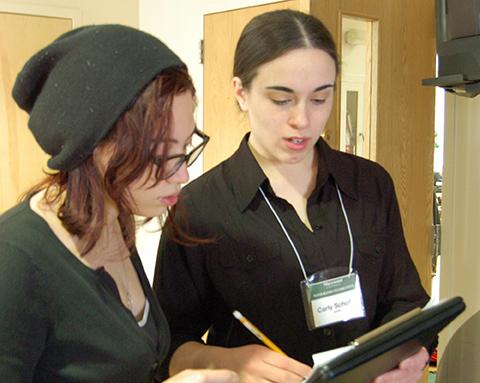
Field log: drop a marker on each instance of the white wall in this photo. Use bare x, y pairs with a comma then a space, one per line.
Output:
460, 261
179, 23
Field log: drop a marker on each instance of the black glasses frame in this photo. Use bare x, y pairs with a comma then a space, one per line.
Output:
188, 158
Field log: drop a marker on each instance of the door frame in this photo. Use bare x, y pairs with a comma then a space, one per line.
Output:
43, 10
18, 181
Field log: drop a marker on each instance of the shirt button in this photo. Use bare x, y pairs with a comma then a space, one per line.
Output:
379, 248
250, 258
318, 227
327, 331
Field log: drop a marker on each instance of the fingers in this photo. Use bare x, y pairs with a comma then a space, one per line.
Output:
416, 361
410, 370
205, 376
279, 375
399, 376
294, 368
285, 369
259, 364
220, 376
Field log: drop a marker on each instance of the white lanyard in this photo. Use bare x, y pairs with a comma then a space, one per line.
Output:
350, 266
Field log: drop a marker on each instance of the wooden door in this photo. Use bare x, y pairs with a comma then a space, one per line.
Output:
403, 109
404, 139
21, 159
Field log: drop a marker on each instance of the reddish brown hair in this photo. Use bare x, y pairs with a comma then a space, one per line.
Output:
134, 140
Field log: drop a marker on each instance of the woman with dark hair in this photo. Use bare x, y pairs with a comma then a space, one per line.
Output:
113, 106
289, 217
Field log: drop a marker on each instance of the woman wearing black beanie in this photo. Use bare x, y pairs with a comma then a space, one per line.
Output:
113, 107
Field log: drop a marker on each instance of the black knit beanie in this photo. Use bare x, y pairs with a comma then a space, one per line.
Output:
76, 88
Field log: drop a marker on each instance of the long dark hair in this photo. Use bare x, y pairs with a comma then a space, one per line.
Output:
272, 34
134, 138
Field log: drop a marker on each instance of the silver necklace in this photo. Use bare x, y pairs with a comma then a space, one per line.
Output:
127, 288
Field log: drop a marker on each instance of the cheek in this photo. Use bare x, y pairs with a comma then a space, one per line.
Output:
267, 118
139, 190
146, 202
323, 114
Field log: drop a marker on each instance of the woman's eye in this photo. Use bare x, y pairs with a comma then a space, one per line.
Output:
280, 102
318, 101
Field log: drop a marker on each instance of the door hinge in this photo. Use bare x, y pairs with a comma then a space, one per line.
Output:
201, 51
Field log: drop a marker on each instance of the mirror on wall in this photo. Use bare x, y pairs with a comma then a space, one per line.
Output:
358, 86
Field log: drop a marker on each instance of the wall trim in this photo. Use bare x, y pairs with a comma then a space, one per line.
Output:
43, 10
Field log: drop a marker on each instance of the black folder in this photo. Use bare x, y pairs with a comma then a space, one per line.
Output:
382, 349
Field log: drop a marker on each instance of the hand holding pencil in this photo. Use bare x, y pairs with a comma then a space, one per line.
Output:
254, 363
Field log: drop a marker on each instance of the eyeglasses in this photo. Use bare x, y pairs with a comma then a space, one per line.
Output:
168, 166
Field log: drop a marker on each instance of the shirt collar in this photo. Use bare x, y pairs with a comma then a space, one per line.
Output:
244, 175
341, 167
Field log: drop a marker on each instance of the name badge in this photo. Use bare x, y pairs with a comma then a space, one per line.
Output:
333, 300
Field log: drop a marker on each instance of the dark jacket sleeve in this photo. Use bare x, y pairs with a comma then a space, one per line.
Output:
400, 288
182, 287
23, 320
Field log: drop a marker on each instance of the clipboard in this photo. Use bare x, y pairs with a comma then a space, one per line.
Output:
383, 348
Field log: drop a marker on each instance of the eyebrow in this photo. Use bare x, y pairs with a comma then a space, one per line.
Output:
288, 90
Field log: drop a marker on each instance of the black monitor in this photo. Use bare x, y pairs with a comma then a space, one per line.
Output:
458, 46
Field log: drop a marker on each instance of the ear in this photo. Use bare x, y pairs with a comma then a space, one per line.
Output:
240, 93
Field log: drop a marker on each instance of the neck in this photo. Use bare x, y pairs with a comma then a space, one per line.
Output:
299, 177
110, 245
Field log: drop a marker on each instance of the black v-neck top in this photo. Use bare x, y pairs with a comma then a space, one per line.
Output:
61, 321
251, 267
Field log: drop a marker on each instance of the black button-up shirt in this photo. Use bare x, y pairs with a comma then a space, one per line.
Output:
251, 267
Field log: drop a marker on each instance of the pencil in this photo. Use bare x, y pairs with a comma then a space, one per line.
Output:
255, 331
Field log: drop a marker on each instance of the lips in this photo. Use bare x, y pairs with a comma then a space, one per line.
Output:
296, 143
170, 200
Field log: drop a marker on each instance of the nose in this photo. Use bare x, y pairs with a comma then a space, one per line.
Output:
181, 176
299, 116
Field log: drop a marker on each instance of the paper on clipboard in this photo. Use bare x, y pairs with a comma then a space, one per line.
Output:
385, 347
325, 356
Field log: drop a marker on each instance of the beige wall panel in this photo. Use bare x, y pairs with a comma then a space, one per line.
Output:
460, 261
21, 159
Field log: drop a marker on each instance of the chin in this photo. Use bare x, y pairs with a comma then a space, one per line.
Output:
153, 212
295, 159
